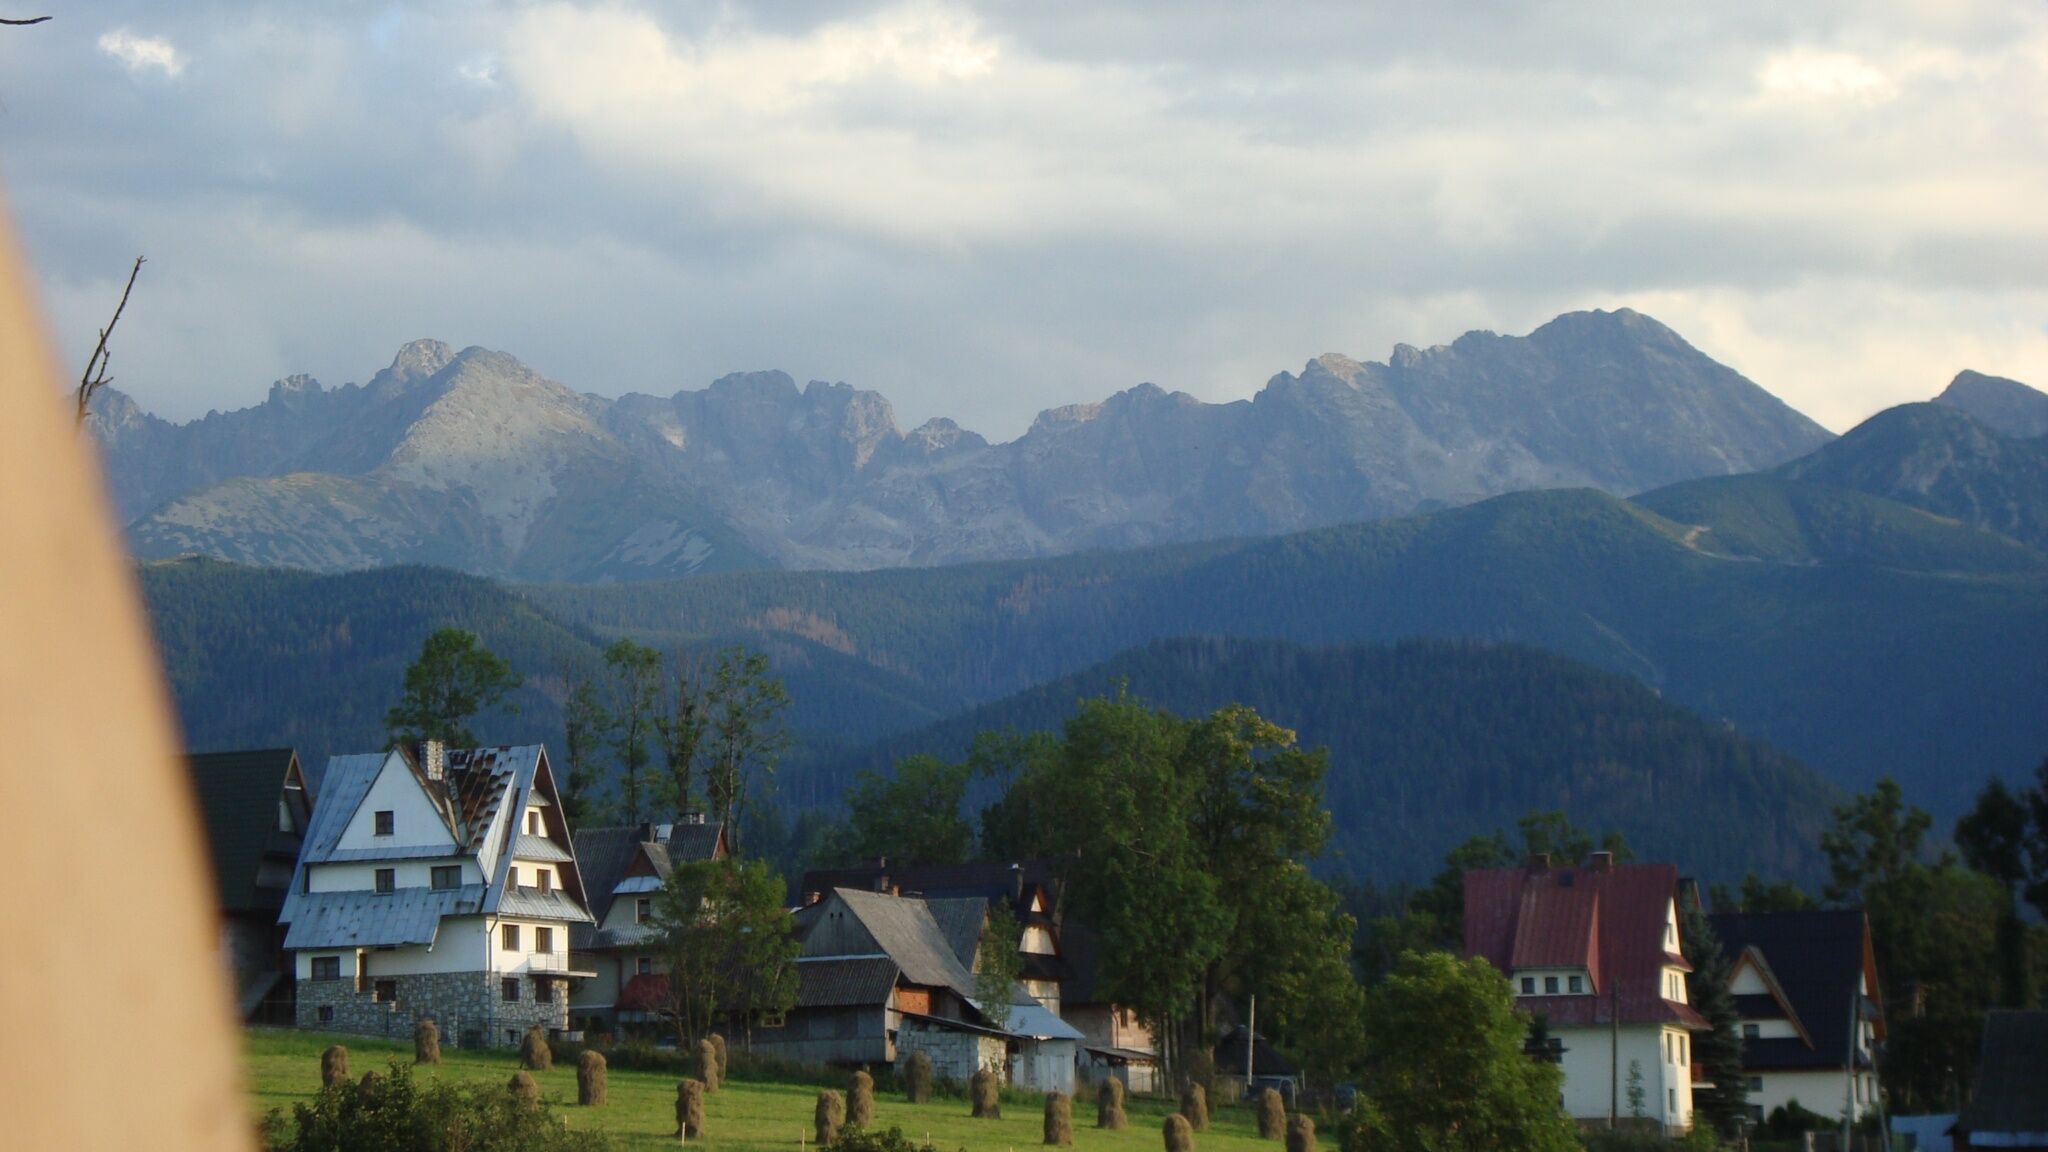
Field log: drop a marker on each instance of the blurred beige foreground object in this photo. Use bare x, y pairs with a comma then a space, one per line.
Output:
117, 1031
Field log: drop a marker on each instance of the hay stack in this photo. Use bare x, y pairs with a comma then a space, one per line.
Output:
1272, 1116
1109, 1104
334, 1066
860, 1099
1301, 1133
426, 1043
718, 1044
987, 1094
830, 1114
534, 1053
523, 1087
1059, 1120
917, 1078
708, 1066
1179, 1137
591, 1075
1194, 1104
690, 1109
371, 1084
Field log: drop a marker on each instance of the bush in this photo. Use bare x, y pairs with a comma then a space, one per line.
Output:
1109, 1104
718, 1045
860, 1100
1194, 1104
523, 1087
869, 1140
1272, 1115
828, 1116
917, 1078
1059, 1119
534, 1053
426, 1043
987, 1094
709, 1068
401, 1115
334, 1066
1301, 1133
591, 1084
690, 1109
1180, 1137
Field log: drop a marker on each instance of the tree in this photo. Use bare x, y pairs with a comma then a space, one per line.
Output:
1757, 895
1992, 838
912, 816
744, 704
1723, 1098
1636, 1095
1446, 1071
583, 728
632, 715
95, 377
680, 730
996, 963
454, 678
726, 942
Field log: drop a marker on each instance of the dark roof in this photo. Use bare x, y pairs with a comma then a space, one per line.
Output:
605, 854
238, 795
960, 920
2012, 1079
904, 928
988, 880
1815, 958
1230, 1054
845, 983
1608, 920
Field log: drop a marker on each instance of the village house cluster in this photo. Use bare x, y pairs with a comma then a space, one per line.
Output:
446, 884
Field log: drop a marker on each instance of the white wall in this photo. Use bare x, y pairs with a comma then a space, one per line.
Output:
416, 823
362, 876
1822, 1091
463, 944
1592, 1079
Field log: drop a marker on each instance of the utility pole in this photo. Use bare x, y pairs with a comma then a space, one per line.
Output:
1251, 1043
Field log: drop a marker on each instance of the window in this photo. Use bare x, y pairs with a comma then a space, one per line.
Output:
532, 823
1578, 984
643, 908
447, 876
327, 1013
386, 992
547, 880
544, 940
1550, 985
644, 966
387, 823
543, 991
512, 878
1756, 1083
508, 989
1528, 985
511, 1036
1749, 1031
387, 879
1682, 1046
1671, 1094
326, 968
508, 938
1667, 1047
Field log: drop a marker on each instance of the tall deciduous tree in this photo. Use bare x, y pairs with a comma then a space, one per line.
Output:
633, 711
996, 963
454, 678
1993, 839
583, 729
727, 945
679, 727
744, 705
911, 816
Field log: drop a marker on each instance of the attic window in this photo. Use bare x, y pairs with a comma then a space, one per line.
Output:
643, 908
532, 823
1750, 1031
1578, 984
547, 879
446, 876
1550, 985
387, 823
1528, 985
387, 880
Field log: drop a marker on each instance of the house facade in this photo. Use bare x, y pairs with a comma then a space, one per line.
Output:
1806, 986
1594, 950
623, 867
254, 806
436, 884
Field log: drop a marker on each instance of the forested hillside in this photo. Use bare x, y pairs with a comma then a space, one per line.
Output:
1431, 742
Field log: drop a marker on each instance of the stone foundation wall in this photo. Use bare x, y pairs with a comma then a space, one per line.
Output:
468, 1007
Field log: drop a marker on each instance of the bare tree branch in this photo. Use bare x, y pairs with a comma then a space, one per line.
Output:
95, 377
23, 23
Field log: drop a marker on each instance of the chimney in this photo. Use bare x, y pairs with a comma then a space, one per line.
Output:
813, 898
1016, 882
434, 760
881, 882
647, 833
1600, 862
1539, 862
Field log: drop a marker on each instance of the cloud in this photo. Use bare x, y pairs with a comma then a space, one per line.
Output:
142, 54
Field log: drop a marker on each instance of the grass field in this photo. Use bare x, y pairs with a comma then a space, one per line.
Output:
284, 1067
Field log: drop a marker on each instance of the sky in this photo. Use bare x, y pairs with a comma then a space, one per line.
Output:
982, 211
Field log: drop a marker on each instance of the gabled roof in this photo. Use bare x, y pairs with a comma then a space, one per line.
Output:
1812, 961
845, 981
960, 920
608, 854
239, 794
1775, 1003
1609, 920
903, 928
987, 880
2010, 1105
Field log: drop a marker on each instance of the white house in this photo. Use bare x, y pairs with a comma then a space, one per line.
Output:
1806, 986
436, 884
1594, 950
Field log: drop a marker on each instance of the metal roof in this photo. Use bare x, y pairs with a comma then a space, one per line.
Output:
360, 919
541, 904
539, 848
632, 885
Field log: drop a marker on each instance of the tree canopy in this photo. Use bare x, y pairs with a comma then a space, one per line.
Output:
453, 679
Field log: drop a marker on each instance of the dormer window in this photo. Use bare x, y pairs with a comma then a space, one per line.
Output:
547, 880
387, 880
387, 823
532, 822
1577, 984
1550, 985
1528, 985
643, 908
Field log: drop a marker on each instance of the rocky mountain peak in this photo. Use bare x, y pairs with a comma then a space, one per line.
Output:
2007, 407
420, 359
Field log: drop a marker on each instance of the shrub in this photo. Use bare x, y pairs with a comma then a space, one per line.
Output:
402, 1114
830, 1114
523, 1087
1180, 1137
1109, 1104
1272, 1115
709, 1068
690, 1109
1194, 1104
860, 1100
591, 1086
869, 1140
334, 1066
1301, 1133
1059, 1119
426, 1043
718, 1045
534, 1053
917, 1078
987, 1094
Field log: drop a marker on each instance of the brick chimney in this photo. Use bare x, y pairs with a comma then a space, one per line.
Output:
1600, 862
1539, 862
434, 760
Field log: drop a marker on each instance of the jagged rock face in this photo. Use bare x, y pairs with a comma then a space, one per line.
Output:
539, 481
2007, 407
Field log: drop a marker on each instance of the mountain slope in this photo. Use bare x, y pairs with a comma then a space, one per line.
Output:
2007, 407
1431, 742
754, 471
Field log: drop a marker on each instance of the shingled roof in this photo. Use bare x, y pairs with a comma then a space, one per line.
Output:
1814, 959
239, 794
2010, 1106
1609, 920
905, 930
